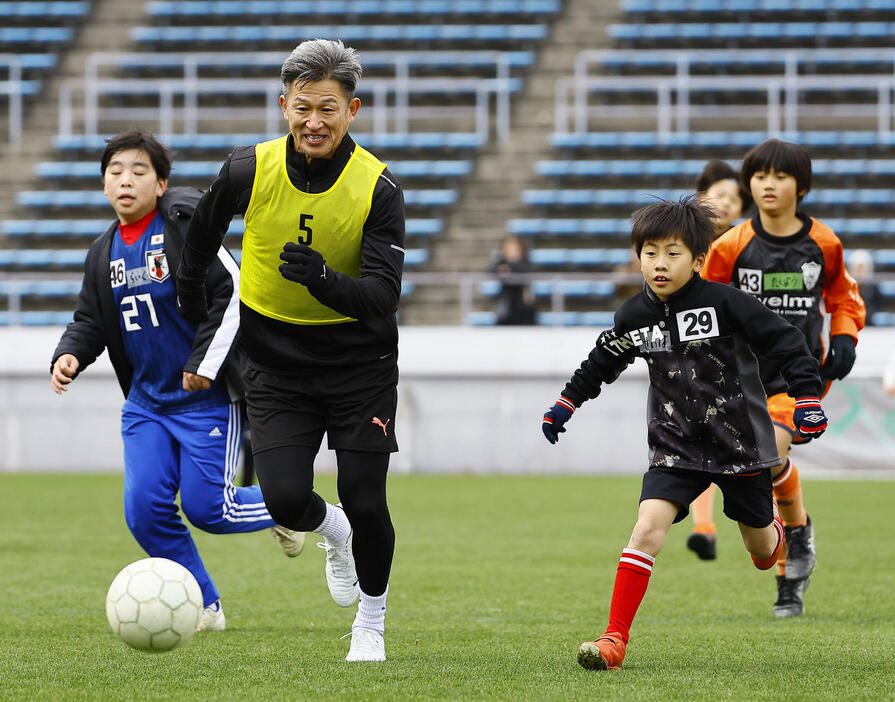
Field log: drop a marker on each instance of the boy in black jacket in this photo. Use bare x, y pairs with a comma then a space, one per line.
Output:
180, 429
708, 419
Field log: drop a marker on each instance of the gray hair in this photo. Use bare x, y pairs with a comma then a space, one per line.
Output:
322, 59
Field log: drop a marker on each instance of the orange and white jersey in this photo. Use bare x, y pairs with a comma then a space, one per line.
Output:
801, 277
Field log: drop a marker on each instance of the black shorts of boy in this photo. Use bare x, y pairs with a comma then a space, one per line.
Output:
354, 406
748, 497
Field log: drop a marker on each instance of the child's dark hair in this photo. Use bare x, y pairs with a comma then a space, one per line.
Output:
159, 155
689, 219
783, 157
715, 171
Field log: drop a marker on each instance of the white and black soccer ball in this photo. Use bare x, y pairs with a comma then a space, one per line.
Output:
154, 604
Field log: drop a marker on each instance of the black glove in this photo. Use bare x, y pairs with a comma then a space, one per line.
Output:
191, 300
556, 417
840, 358
303, 265
809, 417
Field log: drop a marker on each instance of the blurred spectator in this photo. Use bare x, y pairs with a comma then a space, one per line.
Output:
719, 186
515, 301
628, 279
860, 265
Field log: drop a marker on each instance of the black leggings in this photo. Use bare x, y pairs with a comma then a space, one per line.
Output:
286, 477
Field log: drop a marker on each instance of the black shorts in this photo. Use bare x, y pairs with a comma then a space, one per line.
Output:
748, 498
354, 406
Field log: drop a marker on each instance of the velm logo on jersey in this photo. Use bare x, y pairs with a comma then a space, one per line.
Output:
157, 265
811, 272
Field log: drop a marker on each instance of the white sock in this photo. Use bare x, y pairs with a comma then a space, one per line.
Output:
371, 612
335, 527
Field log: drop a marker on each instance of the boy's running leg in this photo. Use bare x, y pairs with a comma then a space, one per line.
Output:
631, 580
702, 540
764, 544
798, 559
151, 472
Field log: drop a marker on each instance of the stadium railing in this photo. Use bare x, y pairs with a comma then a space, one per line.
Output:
790, 61
754, 31
178, 97
14, 88
474, 291
673, 107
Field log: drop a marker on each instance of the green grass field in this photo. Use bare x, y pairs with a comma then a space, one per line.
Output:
496, 581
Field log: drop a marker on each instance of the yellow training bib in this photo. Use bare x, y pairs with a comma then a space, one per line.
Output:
330, 222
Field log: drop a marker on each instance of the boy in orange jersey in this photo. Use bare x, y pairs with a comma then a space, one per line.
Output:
794, 265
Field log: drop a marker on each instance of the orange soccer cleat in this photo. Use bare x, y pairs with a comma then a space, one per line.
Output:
606, 653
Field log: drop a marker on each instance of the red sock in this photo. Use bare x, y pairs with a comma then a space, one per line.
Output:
770, 561
631, 580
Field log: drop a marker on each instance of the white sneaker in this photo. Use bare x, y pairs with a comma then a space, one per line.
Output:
292, 542
341, 577
212, 618
366, 645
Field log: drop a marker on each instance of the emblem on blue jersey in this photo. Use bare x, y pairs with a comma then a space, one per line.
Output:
157, 265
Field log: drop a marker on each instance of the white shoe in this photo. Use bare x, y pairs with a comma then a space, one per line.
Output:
366, 645
341, 577
292, 542
212, 618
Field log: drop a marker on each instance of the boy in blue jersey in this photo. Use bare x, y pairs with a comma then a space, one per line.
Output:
180, 428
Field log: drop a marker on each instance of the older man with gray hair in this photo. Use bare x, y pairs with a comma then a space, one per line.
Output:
322, 257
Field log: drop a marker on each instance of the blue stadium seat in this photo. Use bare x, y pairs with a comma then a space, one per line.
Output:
429, 197
706, 7
95, 227
394, 33
36, 35
372, 59
586, 197
580, 257
256, 8
209, 169
42, 10
40, 288
40, 258
36, 318
692, 31
38, 61
182, 142
737, 139
545, 288
566, 227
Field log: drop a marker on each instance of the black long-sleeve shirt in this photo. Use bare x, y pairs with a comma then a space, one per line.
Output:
371, 299
707, 407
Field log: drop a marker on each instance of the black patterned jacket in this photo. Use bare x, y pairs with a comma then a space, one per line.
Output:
707, 405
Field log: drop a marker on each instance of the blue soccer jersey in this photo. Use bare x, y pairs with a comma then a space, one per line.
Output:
157, 340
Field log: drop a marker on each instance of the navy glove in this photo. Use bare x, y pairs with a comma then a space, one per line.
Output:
556, 417
302, 265
809, 417
191, 300
840, 358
